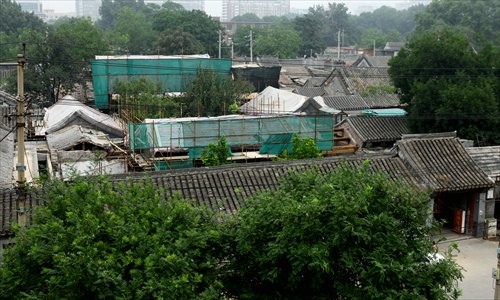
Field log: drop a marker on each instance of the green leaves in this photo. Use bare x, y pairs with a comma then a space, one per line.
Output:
337, 236
449, 84
113, 242
216, 154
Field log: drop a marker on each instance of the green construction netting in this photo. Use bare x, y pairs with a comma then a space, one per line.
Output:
174, 73
197, 134
172, 165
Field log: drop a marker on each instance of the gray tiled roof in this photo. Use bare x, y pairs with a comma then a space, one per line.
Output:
373, 61
442, 163
382, 100
314, 82
487, 158
346, 103
378, 129
310, 91
224, 188
8, 213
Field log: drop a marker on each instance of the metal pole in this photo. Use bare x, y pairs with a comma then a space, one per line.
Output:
220, 43
497, 275
20, 167
251, 47
338, 44
232, 50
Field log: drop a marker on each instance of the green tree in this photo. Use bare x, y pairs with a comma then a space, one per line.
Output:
92, 240
212, 94
14, 19
177, 42
141, 99
310, 27
351, 234
302, 148
449, 85
372, 35
216, 154
110, 8
133, 31
278, 40
196, 23
479, 17
58, 58
241, 39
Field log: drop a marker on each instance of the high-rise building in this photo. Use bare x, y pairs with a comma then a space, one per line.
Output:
88, 8
261, 8
31, 6
187, 4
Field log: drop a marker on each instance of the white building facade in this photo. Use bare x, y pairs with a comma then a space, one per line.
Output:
261, 8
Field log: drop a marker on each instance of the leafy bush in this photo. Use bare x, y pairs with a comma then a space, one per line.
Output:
302, 148
351, 234
216, 154
95, 241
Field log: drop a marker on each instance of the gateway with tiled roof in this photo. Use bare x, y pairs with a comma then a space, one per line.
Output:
442, 162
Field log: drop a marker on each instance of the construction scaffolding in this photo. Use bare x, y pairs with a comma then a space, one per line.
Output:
177, 143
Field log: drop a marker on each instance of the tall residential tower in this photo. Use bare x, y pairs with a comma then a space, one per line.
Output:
262, 8
88, 8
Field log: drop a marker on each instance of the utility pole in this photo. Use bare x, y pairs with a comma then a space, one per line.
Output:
232, 49
338, 44
251, 47
497, 274
220, 43
20, 167
374, 52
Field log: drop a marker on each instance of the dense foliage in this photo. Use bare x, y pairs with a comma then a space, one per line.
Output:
216, 153
212, 94
474, 17
139, 99
450, 84
350, 234
302, 148
93, 241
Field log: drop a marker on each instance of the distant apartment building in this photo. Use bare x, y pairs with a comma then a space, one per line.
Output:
187, 4
88, 8
31, 6
261, 8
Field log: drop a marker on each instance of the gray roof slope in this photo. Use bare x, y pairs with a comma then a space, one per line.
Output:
378, 129
487, 158
442, 163
225, 188
382, 100
310, 91
373, 61
8, 206
346, 103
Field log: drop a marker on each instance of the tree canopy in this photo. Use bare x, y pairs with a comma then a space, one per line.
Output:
476, 17
92, 241
351, 234
450, 85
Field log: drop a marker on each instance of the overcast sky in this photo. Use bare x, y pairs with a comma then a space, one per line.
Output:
214, 7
